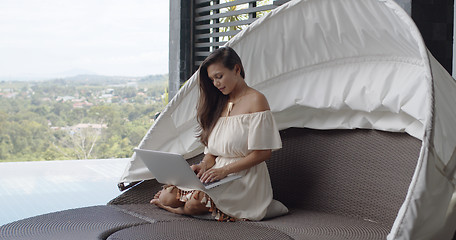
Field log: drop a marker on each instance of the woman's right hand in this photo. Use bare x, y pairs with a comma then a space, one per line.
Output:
199, 169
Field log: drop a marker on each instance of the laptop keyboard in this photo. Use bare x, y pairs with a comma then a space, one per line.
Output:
205, 184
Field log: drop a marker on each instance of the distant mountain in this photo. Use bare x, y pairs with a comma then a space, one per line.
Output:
82, 75
102, 80
73, 72
93, 79
154, 78
24, 78
28, 77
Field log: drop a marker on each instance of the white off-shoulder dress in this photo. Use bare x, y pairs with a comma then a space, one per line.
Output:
233, 138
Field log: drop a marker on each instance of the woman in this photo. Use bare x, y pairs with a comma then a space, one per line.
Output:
239, 132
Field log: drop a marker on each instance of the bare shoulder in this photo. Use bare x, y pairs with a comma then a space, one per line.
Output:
258, 102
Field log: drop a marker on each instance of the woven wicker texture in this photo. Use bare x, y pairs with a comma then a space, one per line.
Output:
198, 230
301, 224
357, 173
298, 224
151, 213
141, 193
84, 223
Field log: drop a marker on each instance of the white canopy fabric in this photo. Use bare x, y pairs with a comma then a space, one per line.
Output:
342, 64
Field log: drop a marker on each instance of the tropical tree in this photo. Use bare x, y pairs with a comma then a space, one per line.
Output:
263, 3
239, 17
233, 18
80, 143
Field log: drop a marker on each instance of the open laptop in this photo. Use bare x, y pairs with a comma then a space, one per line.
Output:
172, 168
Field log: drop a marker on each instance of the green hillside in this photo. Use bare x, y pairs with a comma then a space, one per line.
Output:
82, 117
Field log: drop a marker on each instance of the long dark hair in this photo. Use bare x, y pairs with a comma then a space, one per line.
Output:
211, 101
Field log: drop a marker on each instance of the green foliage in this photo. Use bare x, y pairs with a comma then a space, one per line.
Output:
240, 17
83, 118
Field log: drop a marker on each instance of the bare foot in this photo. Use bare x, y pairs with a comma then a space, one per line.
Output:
157, 203
156, 197
178, 210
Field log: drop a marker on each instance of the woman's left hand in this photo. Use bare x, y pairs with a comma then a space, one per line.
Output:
212, 175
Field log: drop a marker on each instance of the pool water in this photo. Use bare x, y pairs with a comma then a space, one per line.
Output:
33, 188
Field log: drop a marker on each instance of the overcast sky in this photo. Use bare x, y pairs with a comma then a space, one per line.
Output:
41, 38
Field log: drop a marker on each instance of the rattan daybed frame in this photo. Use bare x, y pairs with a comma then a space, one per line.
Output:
322, 64
337, 184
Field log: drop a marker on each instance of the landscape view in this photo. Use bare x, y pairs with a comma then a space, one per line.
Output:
81, 117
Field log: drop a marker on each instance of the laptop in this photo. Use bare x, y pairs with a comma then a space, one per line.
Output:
172, 168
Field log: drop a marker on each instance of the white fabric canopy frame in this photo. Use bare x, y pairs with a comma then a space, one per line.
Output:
342, 64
